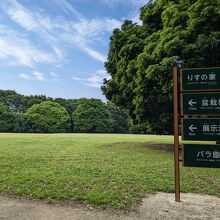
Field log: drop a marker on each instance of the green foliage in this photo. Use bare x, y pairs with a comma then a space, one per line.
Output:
137, 129
19, 103
12, 100
142, 128
92, 116
117, 118
20, 123
120, 118
68, 104
6, 118
47, 117
141, 57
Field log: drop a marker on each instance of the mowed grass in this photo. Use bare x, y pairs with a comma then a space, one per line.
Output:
114, 170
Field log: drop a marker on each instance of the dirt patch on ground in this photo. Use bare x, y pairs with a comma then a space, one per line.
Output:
192, 206
158, 206
164, 147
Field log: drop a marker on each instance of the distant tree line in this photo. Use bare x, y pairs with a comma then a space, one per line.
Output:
41, 114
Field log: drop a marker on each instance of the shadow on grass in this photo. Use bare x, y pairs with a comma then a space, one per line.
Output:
161, 147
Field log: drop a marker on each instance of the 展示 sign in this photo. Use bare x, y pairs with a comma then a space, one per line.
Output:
201, 129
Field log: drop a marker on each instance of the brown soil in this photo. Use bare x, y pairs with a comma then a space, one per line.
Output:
164, 147
158, 206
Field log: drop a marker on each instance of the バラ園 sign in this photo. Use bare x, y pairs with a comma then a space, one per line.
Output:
201, 155
200, 104
200, 79
201, 129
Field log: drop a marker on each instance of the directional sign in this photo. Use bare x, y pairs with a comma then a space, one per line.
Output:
200, 103
200, 79
201, 129
201, 155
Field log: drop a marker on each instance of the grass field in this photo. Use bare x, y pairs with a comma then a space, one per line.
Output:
100, 169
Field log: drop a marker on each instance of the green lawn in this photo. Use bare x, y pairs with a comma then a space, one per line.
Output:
100, 169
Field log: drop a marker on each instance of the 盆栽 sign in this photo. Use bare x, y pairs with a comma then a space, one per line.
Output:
200, 104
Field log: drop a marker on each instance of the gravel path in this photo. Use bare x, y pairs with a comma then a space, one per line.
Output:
158, 206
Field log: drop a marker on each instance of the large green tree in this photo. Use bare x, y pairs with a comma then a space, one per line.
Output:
119, 117
141, 57
47, 117
7, 119
92, 116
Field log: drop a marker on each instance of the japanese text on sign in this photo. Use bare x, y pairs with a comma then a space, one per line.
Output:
201, 79
199, 103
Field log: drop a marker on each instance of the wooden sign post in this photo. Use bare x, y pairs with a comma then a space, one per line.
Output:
199, 102
176, 135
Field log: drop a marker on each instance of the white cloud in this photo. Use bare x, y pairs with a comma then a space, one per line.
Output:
35, 22
38, 76
85, 32
89, 31
15, 49
77, 78
136, 3
101, 71
94, 80
59, 33
95, 27
95, 54
28, 20
35, 75
18, 14
24, 76
67, 7
53, 74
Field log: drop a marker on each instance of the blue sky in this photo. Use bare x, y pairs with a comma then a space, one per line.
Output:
58, 47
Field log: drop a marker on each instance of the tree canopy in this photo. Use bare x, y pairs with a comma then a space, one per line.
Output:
119, 117
20, 106
141, 57
7, 119
92, 116
47, 117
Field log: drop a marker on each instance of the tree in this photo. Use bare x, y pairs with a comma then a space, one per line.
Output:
19, 123
92, 116
19, 103
141, 57
69, 105
6, 119
119, 117
12, 100
47, 117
